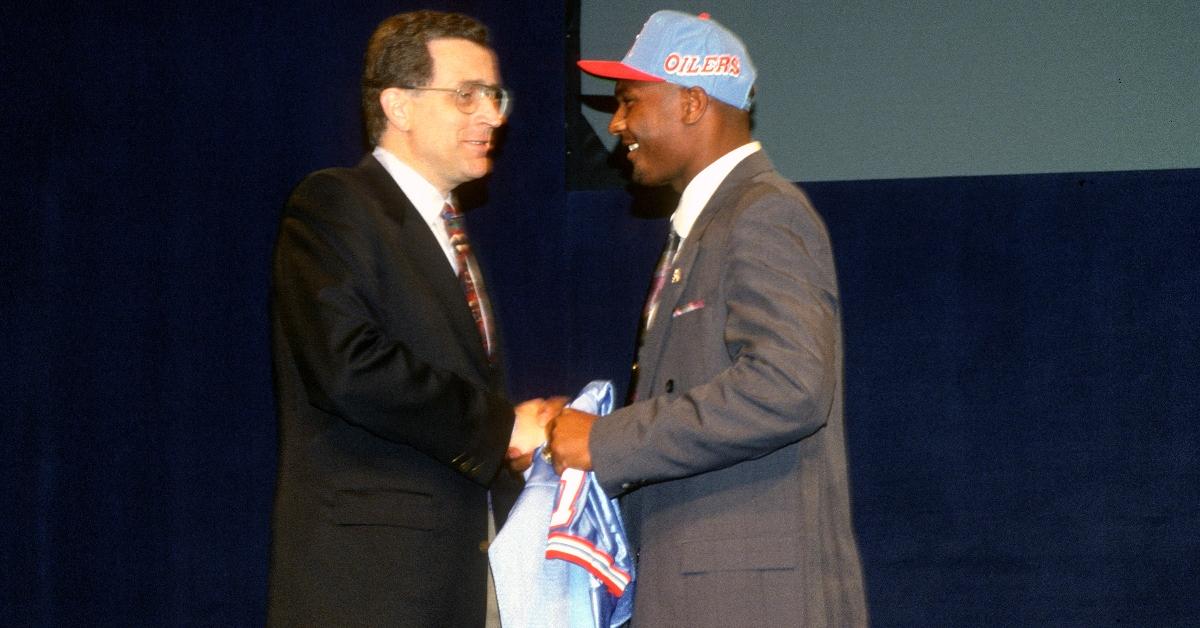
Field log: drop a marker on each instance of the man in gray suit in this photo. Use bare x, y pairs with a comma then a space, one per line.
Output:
731, 464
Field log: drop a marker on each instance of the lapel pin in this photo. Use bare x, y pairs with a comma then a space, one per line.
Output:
675, 276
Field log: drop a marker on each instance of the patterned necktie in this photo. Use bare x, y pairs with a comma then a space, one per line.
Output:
468, 275
660, 279
656, 287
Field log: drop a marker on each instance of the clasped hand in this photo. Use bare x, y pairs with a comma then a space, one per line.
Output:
564, 430
529, 429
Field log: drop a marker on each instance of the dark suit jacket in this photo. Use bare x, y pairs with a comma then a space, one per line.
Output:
392, 421
733, 468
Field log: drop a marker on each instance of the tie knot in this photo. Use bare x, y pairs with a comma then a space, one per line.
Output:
673, 241
450, 212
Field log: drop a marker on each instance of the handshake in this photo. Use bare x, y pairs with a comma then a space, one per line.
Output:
564, 431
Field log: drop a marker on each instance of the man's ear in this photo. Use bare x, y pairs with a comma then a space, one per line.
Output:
397, 107
695, 104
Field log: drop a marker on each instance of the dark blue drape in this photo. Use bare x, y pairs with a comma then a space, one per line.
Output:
1022, 353
1022, 360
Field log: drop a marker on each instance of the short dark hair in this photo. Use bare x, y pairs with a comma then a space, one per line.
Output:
398, 54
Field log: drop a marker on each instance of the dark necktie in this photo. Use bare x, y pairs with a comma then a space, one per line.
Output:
660, 279
468, 275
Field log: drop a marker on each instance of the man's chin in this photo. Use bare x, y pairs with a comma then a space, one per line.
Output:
479, 168
643, 178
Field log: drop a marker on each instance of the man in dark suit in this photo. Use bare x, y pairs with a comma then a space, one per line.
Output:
393, 415
731, 465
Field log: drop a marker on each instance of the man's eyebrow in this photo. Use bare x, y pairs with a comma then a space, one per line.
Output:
467, 82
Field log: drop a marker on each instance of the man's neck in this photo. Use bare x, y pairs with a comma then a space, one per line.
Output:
708, 152
400, 150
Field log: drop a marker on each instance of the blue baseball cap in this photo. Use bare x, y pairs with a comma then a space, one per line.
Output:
687, 50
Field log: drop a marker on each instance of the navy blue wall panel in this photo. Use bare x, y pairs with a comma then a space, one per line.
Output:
1022, 361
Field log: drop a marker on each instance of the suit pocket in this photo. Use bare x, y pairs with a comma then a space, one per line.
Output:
403, 509
687, 308
756, 554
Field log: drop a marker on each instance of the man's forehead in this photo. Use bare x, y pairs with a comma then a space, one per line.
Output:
462, 60
450, 48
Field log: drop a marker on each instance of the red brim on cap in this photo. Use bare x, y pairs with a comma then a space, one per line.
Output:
616, 70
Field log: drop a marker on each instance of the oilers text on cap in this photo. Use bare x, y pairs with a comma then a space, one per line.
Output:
687, 50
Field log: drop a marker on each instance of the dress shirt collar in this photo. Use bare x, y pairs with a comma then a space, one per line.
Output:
701, 188
424, 197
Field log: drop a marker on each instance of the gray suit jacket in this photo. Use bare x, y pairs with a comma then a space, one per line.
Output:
732, 468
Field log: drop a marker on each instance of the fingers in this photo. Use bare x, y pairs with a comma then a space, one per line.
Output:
530, 407
551, 408
536, 421
528, 431
567, 437
518, 462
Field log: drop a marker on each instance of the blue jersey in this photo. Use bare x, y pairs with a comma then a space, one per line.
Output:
562, 558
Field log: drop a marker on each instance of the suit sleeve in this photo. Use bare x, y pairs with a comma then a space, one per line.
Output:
328, 306
781, 333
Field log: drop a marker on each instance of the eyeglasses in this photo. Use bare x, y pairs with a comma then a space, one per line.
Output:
468, 97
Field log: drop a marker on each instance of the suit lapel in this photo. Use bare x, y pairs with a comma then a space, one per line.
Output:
423, 249
654, 340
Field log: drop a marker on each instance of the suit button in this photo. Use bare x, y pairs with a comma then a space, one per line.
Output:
634, 367
670, 385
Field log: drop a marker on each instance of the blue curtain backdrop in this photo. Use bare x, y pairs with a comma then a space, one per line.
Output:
1022, 351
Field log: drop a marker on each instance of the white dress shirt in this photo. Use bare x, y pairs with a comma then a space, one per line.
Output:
701, 188
697, 194
424, 196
